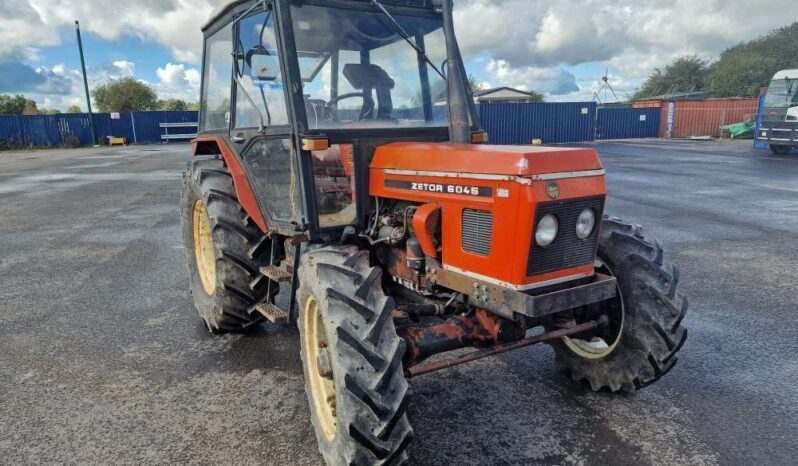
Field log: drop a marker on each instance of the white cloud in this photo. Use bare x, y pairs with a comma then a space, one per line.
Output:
28, 25
525, 43
126, 68
175, 81
632, 37
549, 80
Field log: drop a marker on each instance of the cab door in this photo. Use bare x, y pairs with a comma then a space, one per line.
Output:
260, 130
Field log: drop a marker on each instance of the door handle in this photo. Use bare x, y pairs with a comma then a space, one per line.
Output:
239, 139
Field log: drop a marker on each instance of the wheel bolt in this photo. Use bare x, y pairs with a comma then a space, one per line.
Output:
324, 364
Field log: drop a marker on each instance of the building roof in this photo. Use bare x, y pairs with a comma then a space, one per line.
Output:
486, 92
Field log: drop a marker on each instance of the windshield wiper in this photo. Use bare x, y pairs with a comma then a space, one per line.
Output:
406, 36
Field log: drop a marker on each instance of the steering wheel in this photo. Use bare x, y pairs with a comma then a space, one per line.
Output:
368, 103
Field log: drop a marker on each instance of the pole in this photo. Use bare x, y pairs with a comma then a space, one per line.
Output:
86, 86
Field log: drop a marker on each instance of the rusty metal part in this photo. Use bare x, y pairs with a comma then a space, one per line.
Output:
474, 330
507, 302
426, 368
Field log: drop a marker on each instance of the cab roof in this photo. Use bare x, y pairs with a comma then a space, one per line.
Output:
220, 10
786, 74
229, 5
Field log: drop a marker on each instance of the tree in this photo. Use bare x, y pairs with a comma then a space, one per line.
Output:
194, 106
74, 109
536, 97
125, 95
685, 74
745, 68
17, 105
176, 105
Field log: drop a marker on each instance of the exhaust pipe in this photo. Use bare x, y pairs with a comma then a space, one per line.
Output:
459, 109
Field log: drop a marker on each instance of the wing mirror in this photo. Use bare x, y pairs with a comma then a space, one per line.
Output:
263, 64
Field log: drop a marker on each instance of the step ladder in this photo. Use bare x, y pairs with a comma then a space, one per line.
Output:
272, 313
278, 274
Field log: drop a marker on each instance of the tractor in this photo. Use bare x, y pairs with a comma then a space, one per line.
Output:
341, 181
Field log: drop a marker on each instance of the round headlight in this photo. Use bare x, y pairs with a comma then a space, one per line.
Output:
585, 224
547, 229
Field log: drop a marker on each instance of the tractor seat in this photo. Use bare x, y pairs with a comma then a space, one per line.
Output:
367, 77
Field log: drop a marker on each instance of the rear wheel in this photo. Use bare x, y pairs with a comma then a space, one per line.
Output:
780, 150
352, 359
645, 332
224, 248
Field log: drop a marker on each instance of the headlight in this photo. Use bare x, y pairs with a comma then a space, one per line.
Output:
585, 224
547, 229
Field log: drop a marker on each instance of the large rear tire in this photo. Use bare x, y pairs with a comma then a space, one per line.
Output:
645, 321
224, 248
352, 359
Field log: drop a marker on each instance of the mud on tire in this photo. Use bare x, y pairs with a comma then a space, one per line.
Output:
652, 332
371, 393
239, 248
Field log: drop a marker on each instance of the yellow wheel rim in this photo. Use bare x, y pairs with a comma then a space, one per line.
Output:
588, 350
322, 388
203, 248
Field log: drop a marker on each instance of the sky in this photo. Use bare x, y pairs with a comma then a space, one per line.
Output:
560, 48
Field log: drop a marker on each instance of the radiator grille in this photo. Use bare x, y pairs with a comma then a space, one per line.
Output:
477, 231
567, 250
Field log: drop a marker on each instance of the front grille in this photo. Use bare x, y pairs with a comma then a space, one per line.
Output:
567, 250
780, 131
477, 231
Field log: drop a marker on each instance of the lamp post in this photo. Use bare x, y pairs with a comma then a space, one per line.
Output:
86, 86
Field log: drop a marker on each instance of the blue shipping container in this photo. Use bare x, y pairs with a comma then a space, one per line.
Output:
627, 123
552, 123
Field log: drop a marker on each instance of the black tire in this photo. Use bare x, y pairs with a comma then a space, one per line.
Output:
371, 393
653, 309
780, 150
239, 249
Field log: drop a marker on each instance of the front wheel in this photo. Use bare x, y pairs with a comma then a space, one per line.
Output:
780, 150
352, 359
645, 332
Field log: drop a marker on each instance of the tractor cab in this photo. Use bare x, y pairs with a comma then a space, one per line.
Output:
303, 92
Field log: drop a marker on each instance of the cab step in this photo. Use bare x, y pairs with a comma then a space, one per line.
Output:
278, 274
272, 313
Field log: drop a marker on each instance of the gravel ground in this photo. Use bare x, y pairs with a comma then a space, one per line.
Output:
103, 360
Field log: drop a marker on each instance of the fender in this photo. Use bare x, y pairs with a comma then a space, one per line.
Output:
240, 182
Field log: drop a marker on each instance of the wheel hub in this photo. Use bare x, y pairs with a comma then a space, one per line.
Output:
601, 346
203, 247
320, 370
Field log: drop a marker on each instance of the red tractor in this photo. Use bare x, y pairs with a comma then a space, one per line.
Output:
341, 160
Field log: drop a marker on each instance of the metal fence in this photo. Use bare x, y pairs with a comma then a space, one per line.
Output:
65, 129
627, 123
550, 122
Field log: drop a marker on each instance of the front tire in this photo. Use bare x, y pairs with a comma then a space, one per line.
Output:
224, 249
780, 150
647, 321
352, 359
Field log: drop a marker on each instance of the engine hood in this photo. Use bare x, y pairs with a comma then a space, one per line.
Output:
484, 159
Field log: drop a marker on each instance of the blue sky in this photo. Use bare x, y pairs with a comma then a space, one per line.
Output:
559, 48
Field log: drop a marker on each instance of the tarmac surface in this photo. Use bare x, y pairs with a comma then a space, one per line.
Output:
104, 361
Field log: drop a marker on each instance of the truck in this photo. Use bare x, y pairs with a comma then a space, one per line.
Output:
779, 126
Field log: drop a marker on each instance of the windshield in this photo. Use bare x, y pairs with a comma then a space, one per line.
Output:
366, 75
782, 93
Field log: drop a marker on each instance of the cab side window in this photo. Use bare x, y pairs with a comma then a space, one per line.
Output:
260, 96
216, 88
